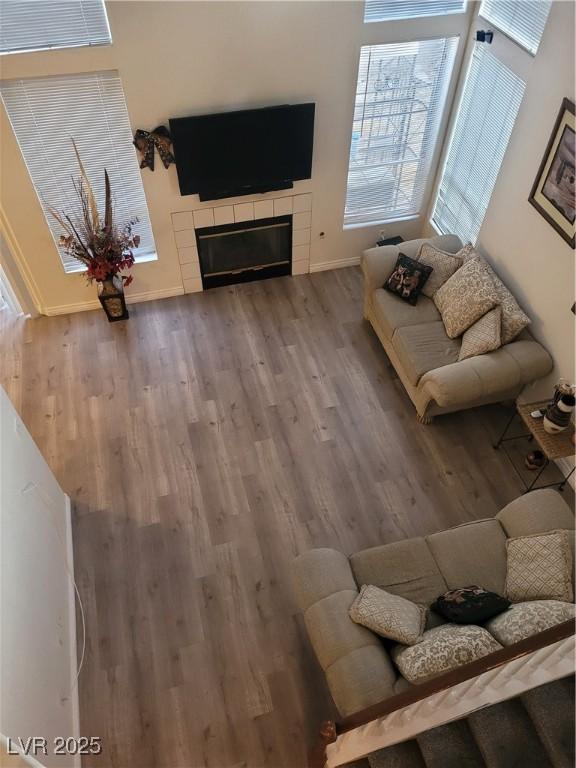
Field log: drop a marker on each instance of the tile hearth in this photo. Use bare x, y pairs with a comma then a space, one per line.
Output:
185, 224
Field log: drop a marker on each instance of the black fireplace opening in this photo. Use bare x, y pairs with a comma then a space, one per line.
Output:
245, 251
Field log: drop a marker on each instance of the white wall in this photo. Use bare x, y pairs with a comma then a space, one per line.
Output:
529, 255
38, 695
182, 58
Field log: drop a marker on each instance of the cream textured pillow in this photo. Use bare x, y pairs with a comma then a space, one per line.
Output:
388, 615
466, 297
513, 318
442, 649
443, 264
484, 336
525, 619
539, 567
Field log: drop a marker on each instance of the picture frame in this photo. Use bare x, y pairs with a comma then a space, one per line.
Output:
553, 190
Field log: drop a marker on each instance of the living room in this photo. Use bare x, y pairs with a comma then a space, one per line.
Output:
241, 417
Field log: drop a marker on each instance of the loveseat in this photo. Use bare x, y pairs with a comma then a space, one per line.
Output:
426, 360
355, 661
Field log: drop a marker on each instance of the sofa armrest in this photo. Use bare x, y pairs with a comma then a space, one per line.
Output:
508, 368
536, 512
357, 667
377, 263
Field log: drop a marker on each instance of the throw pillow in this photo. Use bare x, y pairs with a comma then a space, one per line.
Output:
483, 336
525, 619
442, 649
513, 318
388, 615
466, 297
408, 278
539, 567
469, 605
443, 264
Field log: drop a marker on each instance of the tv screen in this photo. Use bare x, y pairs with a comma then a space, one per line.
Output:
244, 152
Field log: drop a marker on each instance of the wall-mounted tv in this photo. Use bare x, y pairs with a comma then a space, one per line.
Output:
245, 152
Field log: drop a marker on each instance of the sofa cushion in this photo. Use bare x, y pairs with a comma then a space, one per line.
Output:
443, 649
473, 553
407, 279
424, 347
514, 319
363, 677
525, 619
485, 335
390, 616
319, 573
393, 313
539, 567
536, 512
465, 297
406, 568
443, 264
470, 605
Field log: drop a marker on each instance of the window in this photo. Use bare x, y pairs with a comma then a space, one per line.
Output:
399, 100
388, 10
36, 25
45, 112
521, 20
486, 115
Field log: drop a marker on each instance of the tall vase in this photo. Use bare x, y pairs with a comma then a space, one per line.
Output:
558, 415
111, 295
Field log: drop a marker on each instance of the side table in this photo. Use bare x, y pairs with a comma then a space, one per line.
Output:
557, 446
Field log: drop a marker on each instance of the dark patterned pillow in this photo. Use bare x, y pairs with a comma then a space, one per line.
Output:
469, 605
408, 278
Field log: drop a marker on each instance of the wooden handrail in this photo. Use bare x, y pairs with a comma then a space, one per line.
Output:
331, 730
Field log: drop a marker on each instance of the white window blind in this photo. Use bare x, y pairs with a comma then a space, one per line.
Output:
484, 121
399, 101
90, 108
521, 20
36, 25
388, 10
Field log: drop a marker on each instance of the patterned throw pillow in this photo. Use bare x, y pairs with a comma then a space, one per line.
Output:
483, 336
442, 649
443, 264
388, 615
526, 619
408, 278
469, 605
466, 297
513, 318
539, 567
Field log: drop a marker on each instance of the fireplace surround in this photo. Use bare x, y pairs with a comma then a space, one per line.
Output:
245, 251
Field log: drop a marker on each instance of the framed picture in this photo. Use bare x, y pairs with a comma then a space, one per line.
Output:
553, 191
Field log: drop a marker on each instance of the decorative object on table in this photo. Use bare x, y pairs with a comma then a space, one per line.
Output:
469, 605
408, 278
559, 414
563, 388
105, 249
145, 141
556, 446
553, 190
539, 567
535, 460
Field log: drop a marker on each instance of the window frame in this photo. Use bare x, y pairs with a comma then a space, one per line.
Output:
418, 17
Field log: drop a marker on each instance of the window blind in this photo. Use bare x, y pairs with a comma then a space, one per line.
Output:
35, 25
388, 10
90, 108
484, 121
522, 20
399, 101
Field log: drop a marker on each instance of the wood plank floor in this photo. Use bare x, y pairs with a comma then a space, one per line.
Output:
205, 443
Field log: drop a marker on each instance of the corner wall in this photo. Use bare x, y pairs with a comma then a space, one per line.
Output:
529, 255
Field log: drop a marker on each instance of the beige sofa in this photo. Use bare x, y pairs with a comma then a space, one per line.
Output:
355, 660
426, 360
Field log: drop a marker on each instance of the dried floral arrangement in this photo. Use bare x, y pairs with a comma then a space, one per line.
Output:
103, 247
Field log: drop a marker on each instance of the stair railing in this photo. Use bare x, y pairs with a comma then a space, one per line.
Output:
331, 731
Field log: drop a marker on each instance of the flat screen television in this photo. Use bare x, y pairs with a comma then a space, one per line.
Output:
241, 153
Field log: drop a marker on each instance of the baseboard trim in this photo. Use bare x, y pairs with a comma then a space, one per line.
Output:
133, 298
322, 266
